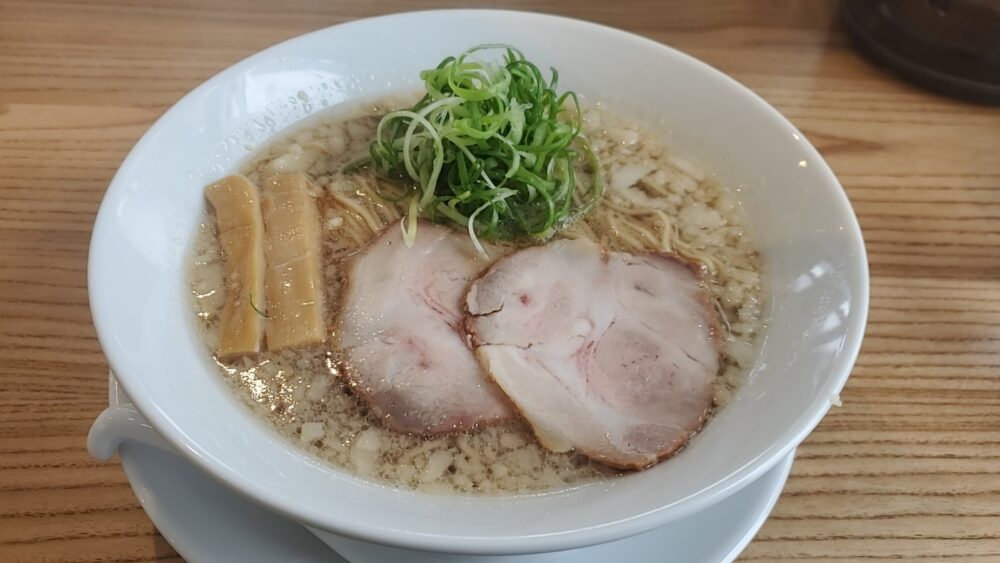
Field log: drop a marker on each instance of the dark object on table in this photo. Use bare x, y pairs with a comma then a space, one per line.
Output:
952, 46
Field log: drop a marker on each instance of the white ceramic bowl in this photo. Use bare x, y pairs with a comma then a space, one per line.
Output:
816, 277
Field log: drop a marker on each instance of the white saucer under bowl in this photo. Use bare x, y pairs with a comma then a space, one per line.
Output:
207, 523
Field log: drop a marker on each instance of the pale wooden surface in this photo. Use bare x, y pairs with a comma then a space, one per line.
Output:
908, 469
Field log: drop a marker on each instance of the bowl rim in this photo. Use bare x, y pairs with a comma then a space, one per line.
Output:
823, 398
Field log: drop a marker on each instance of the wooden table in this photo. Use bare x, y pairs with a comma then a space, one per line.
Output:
908, 468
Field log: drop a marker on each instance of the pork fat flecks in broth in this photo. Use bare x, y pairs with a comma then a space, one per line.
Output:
653, 201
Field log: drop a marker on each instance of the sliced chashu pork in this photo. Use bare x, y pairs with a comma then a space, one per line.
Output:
400, 326
609, 354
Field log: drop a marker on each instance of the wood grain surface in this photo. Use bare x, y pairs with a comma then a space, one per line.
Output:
907, 469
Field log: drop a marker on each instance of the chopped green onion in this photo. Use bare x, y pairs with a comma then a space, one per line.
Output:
256, 310
491, 147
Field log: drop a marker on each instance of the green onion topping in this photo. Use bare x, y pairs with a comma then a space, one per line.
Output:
256, 310
491, 147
